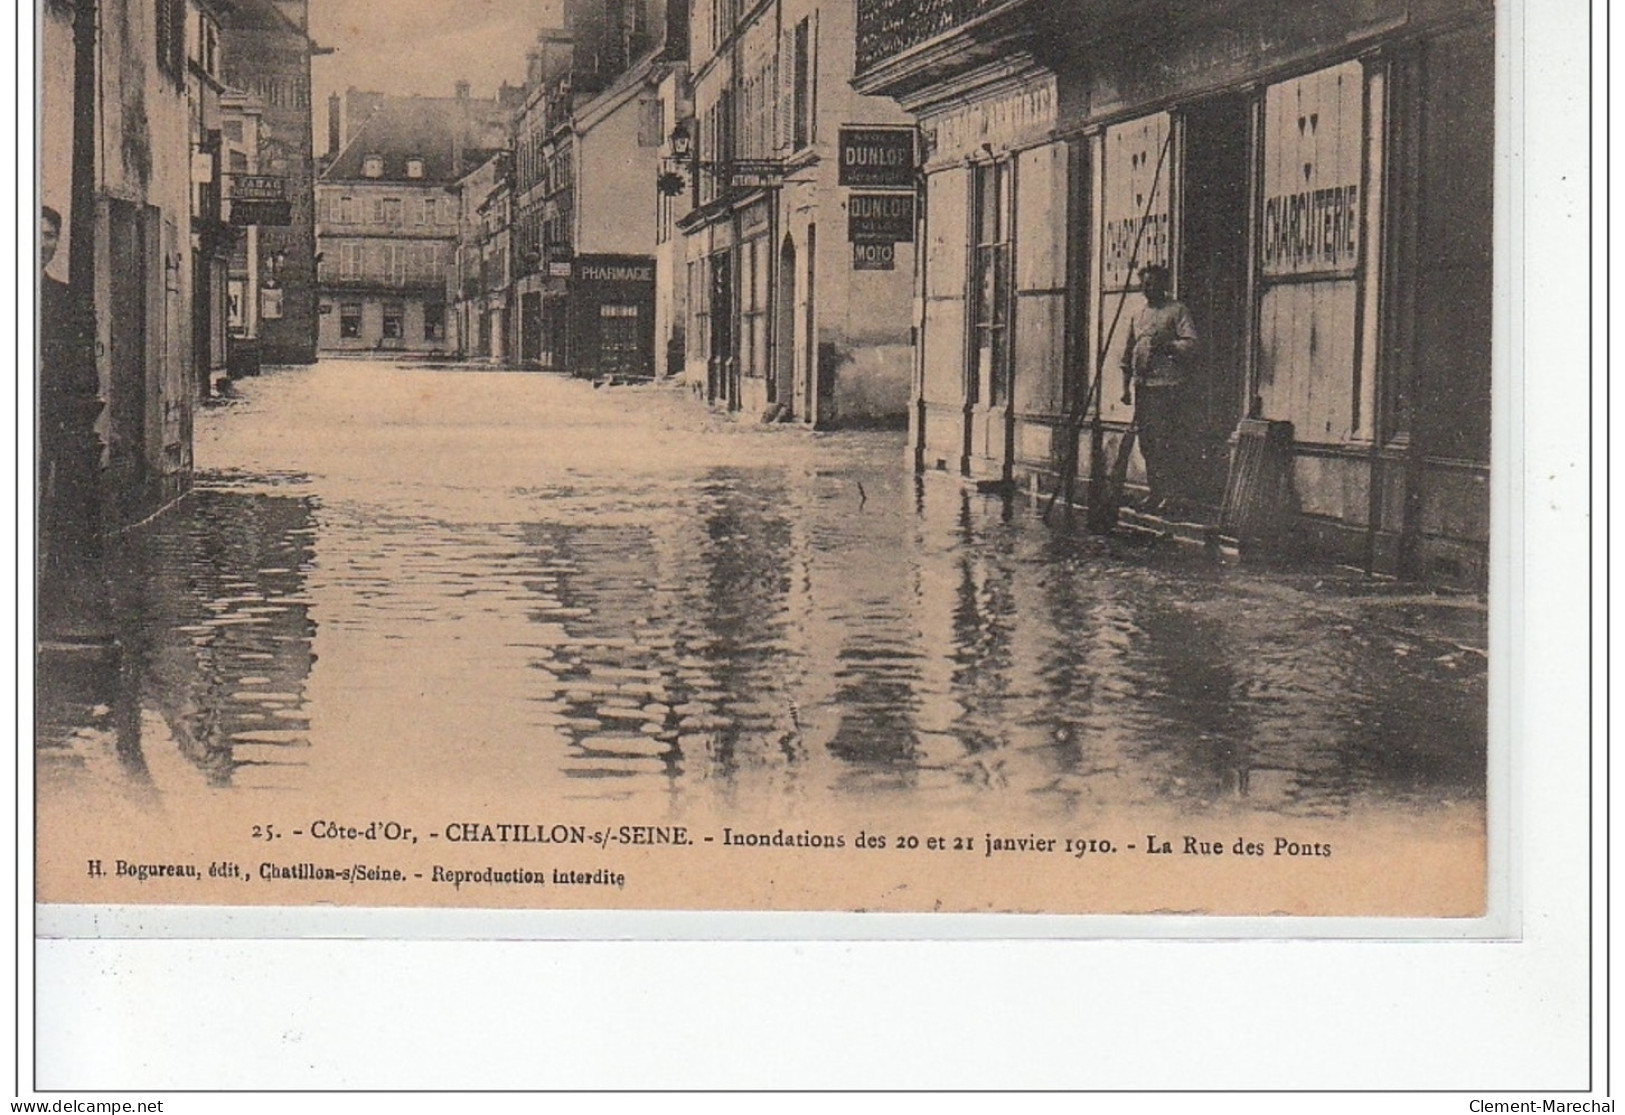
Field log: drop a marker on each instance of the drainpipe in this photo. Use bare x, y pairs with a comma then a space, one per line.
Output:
82, 203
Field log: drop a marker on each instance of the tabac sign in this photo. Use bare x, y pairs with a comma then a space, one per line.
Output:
878, 157
260, 199
259, 187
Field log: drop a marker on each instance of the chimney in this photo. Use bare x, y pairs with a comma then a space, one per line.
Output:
333, 125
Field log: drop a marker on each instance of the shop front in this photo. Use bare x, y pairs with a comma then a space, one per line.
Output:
1323, 205
610, 316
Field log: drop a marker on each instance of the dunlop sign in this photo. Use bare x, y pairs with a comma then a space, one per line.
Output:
880, 218
882, 157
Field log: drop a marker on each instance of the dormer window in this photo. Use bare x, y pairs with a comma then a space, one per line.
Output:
414, 168
372, 166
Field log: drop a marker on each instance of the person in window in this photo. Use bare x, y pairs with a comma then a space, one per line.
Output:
1157, 366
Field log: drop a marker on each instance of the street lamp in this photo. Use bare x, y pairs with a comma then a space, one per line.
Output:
672, 180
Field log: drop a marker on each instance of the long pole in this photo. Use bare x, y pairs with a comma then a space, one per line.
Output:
1091, 400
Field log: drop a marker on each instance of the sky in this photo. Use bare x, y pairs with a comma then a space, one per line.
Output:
422, 46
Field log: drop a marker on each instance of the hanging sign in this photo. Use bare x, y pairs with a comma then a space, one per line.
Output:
878, 157
874, 257
880, 218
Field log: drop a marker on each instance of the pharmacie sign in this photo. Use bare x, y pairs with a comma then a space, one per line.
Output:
613, 270
880, 218
877, 157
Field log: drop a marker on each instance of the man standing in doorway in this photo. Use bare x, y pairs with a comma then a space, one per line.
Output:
1157, 358
69, 456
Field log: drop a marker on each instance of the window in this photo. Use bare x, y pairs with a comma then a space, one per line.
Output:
414, 168
350, 320
350, 260
699, 308
271, 303
171, 38
394, 321
991, 382
753, 308
395, 261
392, 211
373, 166
346, 210
801, 95
431, 211
237, 162
232, 130
434, 321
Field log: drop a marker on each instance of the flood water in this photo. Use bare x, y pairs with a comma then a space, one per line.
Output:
390, 576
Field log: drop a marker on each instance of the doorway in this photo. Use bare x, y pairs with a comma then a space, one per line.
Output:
720, 363
782, 387
129, 236
809, 352
530, 329
1215, 203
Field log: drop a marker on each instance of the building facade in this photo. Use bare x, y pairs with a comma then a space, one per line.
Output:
1318, 179
798, 303
388, 221
592, 124
266, 52
127, 202
479, 287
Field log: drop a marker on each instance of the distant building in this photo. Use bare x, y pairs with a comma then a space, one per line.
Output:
388, 219
586, 141
212, 238
266, 52
241, 119
479, 284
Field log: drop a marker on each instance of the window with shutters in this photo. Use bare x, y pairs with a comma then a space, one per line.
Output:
801, 96
171, 39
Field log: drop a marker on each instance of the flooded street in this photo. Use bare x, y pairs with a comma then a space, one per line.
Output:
397, 586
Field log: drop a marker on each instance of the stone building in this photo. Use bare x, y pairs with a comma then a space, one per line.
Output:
387, 218
798, 268
587, 154
1318, 179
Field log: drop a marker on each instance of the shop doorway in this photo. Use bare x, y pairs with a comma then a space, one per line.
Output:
130, 240
530, 329
720, 362
620, 341
1215, 199
781, 387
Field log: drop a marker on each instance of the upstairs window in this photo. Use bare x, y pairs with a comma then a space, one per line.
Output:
414, 168
372, 166
801, 94
171, 37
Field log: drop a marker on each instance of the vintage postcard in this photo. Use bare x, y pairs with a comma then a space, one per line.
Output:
962, 456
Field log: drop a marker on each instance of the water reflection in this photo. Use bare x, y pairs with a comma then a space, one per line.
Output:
215, 642
811, 624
